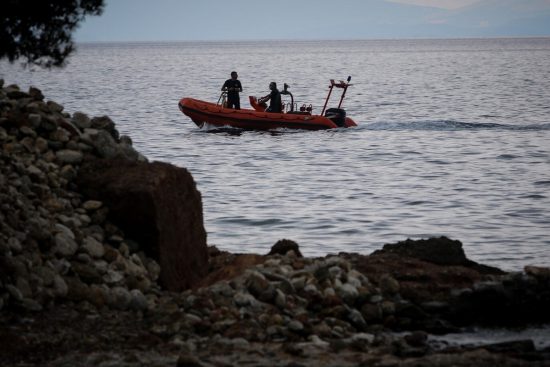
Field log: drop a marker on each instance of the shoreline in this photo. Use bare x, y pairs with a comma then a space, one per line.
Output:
104, 261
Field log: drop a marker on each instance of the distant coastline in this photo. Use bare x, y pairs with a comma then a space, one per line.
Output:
312, 40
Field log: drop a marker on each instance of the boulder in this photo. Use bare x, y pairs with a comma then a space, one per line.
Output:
282, 247
158, 206
442, 250
436, 250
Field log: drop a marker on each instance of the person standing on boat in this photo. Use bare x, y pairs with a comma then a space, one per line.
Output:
274, 99
233, 87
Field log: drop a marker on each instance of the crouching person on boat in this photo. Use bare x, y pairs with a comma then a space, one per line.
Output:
274, 98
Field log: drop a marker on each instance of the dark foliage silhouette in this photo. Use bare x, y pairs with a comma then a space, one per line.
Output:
40, 32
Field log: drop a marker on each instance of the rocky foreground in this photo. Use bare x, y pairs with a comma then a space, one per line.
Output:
104, 262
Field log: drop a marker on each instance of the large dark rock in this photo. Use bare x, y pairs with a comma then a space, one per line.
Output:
436, 250
426, 270
442, 250
515, 300
157, 205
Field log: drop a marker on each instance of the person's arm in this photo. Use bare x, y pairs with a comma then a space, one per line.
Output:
240, 86
224, 86
265, 98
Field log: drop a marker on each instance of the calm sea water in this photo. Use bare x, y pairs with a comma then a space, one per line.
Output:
453, 139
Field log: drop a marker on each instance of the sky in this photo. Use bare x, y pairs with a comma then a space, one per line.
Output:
445, 4
189, 20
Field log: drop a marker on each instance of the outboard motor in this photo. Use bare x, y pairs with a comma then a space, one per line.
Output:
336, 115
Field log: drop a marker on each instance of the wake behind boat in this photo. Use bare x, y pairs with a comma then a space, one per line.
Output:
291, 117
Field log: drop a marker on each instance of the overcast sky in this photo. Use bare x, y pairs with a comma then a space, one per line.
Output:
445, 4
174, 20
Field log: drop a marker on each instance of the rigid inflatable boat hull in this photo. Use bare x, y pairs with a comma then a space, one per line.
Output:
201, 112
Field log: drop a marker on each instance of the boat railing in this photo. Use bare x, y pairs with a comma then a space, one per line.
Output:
290, 106
341, 84
222, 101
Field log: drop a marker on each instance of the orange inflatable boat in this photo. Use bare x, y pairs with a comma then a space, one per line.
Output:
201, 113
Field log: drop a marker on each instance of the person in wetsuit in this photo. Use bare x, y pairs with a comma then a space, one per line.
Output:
233, 87
274, 99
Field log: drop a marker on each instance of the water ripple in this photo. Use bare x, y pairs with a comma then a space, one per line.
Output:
442, 147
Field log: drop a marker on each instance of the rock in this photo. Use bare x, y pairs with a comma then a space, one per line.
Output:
416, 339
34, 119
54, 107
514, 347
93, 247
256, 283
187, 360
31, 305
242, 299
15, 245
348, 293
67, 156
440, 250
295, 326
357, 320
282, 247
46, 274
17, 94
92, 205
280, 299
14, 292
81, 120
113, 277
105, 123
36, 94
157, 205
120, 298
41, 145
87, 273
76, 289
538, 272
60, 286
65, 245
515, 299
138, 301
388, 285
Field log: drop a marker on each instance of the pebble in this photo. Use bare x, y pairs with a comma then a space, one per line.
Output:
39, 164
91, 205
65, 245
93, 247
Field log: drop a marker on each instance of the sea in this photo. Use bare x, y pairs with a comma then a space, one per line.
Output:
453, 138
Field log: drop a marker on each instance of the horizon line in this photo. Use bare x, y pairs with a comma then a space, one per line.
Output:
315, 39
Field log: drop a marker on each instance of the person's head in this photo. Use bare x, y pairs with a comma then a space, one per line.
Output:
234, 75
272, 86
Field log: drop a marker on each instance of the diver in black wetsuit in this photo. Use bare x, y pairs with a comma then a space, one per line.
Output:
233, 87
274, 99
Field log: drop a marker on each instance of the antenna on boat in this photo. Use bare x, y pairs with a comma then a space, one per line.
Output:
344, 92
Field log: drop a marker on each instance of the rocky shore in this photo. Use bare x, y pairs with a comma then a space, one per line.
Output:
104, 261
